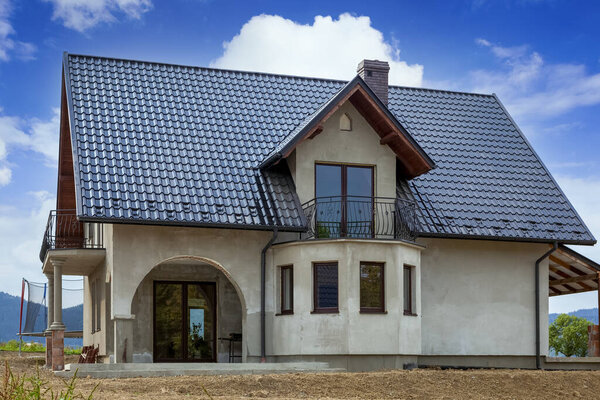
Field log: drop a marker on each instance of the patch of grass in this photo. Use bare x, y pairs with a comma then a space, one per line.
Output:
34, 347
24, 387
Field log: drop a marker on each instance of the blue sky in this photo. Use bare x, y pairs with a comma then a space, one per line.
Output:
542, 58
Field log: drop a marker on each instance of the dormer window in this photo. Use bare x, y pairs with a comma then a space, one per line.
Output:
345, 122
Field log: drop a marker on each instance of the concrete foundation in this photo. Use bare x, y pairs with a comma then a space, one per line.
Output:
48, 351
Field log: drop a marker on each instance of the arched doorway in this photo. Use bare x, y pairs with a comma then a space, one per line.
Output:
184, 308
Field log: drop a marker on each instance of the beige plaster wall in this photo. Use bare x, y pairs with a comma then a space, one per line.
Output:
137, 249
478, 297
348, 332
359, 146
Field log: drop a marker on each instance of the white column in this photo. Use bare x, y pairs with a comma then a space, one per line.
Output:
57, 324
50, 300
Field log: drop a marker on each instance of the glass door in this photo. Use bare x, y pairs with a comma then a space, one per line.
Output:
344, 200
184, 321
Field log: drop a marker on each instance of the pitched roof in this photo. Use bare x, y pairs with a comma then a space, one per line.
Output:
169, 144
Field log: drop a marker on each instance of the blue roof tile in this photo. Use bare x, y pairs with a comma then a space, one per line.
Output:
157, 143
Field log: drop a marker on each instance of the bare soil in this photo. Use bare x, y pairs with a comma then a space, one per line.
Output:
415, 384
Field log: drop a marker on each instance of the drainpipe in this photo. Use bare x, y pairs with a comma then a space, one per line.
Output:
263, 276
538, 358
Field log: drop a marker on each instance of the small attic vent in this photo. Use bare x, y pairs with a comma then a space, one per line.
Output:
345, 122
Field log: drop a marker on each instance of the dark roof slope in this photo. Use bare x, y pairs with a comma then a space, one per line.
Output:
158, 143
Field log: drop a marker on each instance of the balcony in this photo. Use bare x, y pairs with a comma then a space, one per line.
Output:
361, 218
80, 244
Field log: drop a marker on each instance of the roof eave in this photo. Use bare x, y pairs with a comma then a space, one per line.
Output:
506, 238
253, 227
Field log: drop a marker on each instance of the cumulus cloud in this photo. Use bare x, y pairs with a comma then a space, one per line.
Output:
20, 240
8, 45
33, 135
533, 89
82, 15
328, 48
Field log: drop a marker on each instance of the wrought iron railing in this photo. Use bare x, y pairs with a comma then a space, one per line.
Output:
65, 231
360, 217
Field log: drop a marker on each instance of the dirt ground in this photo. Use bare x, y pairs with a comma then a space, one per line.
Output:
415, 384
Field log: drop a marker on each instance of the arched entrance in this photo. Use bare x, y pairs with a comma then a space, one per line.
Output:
184, 309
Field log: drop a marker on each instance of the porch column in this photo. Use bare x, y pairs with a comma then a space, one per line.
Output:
123, 338
50, 314
57, 327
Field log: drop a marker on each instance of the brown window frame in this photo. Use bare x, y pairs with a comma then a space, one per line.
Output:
344, 186
316, 308
411, 306
281, 290
372, 310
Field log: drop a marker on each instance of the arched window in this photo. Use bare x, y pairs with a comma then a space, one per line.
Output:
345, 123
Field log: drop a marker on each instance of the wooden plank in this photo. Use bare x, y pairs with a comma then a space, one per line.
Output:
388, 138
575, 290
574, 279
315, 131
567, 265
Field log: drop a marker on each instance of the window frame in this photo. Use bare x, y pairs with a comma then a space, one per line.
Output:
344, 190
372, 310
283, 311
316, 308
410, 311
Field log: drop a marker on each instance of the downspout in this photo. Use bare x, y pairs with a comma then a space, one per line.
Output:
263, 275
538, 358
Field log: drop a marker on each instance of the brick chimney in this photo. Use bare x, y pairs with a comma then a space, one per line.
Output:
375, 74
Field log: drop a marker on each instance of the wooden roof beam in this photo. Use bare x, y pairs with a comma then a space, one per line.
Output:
575, 279
388, 138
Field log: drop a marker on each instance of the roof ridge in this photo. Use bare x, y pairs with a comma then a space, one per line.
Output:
268, 73
209, 68
442, 90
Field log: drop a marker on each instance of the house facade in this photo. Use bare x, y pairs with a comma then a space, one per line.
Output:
227, 216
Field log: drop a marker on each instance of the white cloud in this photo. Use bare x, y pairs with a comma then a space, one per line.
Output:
533, 89
33, 135
82, 15
329, 48
20, 240
8, 45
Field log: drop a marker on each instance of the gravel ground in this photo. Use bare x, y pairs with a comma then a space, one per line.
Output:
415, 384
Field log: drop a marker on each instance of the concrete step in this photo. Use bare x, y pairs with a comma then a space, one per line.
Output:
177, 369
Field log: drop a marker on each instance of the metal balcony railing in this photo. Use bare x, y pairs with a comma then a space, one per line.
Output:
65, 231
361, 217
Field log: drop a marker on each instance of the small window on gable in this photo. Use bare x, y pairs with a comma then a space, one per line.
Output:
345, 122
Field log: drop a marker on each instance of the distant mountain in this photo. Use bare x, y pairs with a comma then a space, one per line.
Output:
9, 320
591, 314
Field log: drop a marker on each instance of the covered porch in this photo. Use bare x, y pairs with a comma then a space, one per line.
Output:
570, 272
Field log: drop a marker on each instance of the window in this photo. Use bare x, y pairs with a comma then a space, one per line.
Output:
372, 287
325, 277
96, 294
287, 289
409, 287
344, 197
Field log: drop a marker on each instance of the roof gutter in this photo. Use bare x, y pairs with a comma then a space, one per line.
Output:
263, 275
538, 358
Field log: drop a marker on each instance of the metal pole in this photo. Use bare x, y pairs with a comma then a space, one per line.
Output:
21, 315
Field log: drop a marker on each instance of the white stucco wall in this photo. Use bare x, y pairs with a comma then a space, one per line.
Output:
478, 297
359, 146
348, 332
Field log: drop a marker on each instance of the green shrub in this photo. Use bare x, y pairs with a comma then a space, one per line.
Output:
569, 335
34, 347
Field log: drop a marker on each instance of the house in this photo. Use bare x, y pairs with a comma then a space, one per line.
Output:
223, 216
